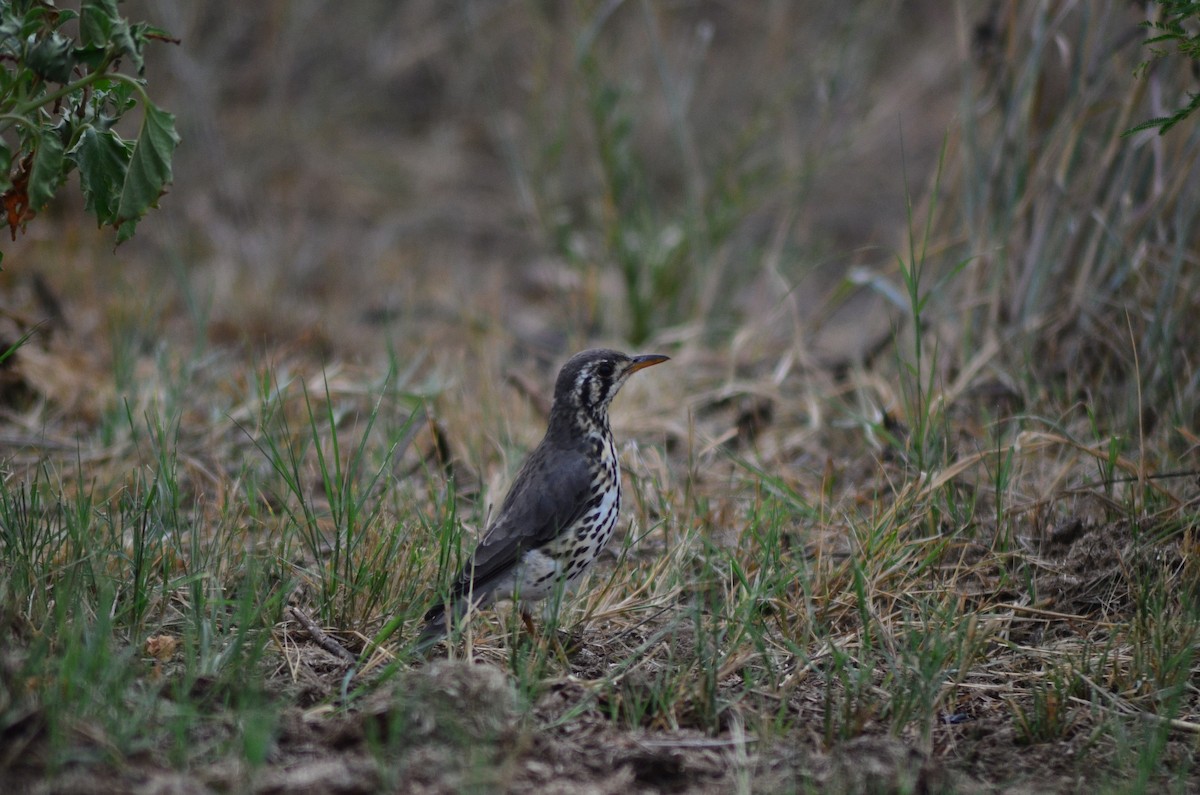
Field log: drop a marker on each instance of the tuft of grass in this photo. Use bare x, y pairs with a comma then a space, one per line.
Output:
341, 525
1047, 715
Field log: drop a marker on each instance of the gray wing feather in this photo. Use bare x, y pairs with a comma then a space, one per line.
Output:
543, 500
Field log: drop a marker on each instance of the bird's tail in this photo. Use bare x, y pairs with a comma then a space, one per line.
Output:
437, 623
445, 615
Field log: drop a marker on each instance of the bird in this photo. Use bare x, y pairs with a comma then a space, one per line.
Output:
562, 506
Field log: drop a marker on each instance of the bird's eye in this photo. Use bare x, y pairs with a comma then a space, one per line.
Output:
605, 370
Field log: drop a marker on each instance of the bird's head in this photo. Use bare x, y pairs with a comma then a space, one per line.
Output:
588, 382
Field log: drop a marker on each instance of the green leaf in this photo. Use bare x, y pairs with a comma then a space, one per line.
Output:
149, 167
97, 18
91, 57
117, 97
127, 46
103, 160
1159, 121
51, 58
125, 231
10, 35
101, 25
47, 172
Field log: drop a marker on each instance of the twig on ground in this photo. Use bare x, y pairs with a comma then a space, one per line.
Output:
320, 637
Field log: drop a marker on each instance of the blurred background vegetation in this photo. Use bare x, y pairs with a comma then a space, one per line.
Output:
547, 170
551, 173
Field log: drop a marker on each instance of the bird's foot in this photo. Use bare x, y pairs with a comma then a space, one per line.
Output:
562, 642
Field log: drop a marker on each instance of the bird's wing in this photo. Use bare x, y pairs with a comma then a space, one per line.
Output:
546, 497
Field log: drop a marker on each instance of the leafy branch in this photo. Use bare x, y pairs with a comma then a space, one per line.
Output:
61, 98
1172, 27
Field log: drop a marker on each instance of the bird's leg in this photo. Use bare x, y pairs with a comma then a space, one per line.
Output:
559, 651
527, 620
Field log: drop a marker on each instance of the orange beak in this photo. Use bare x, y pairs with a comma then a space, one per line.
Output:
642, 362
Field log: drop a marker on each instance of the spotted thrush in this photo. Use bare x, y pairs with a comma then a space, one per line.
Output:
563, 505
